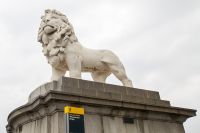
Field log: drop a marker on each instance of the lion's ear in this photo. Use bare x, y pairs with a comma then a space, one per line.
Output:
47, 11
42, 16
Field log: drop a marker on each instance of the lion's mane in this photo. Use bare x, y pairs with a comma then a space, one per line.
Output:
55, 53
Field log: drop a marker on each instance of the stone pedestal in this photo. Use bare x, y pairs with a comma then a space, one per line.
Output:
106, 106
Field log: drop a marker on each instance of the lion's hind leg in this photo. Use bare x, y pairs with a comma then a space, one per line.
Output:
100, 76
119, 72
116, 67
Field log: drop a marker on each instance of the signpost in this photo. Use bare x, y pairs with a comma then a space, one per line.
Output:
74, 120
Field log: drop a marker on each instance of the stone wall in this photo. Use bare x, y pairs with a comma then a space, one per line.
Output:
101, 124
105, 108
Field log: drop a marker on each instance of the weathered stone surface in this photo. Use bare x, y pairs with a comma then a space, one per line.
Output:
70, 82
137, 92
110, 88
87, 92
150, 101
71, 89
76, 86
133, 98
104, 107
119, 112
93, 124
113, 125
110, 113
153, 94
86, 84
101, 90
108, 95
98, 86
162, 102
121, 90
42, 89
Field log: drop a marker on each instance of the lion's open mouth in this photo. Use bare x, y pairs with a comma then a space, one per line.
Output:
49, 29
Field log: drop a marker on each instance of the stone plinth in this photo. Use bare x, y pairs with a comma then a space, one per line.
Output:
105, 106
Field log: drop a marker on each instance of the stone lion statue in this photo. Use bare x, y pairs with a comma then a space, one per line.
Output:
65, 53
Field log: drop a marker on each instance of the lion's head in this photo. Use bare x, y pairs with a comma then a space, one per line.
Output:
55, 32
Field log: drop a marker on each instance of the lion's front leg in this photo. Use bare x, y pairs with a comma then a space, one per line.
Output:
57, 73
74, 65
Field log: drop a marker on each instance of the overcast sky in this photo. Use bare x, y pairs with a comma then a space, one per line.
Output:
158, 41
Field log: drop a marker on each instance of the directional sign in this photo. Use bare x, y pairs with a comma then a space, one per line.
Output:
74, 120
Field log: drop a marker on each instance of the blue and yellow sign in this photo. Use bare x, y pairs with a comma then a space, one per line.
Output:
74, 120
